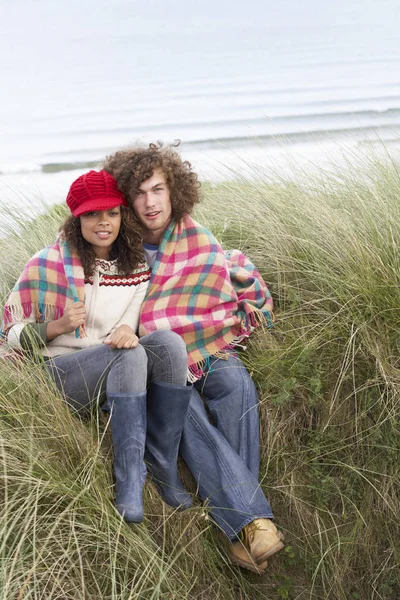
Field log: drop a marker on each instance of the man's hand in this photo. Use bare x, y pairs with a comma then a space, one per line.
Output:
122, 337
74, 316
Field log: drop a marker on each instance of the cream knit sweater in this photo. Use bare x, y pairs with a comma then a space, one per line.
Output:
110, 300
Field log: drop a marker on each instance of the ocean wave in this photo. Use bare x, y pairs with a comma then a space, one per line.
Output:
286, 123
315, 132
366, 135
10, 169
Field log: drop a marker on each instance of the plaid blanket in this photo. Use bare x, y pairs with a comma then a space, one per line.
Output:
50, 280
212, 299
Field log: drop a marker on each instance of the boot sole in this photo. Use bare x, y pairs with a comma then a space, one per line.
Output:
273, 550
248, 565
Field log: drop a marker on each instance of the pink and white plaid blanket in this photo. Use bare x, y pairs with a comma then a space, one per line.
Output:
212, 299
50, 280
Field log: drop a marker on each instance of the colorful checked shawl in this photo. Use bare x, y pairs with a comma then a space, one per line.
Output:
212, 299
50, 280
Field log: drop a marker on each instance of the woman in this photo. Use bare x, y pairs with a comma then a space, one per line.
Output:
78, 301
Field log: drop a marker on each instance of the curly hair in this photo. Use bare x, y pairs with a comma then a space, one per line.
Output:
127, 248
132, 166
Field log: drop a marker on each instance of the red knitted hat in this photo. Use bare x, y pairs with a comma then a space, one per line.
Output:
96, 190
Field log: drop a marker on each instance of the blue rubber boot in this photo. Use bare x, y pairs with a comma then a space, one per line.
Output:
128, 429
167, 406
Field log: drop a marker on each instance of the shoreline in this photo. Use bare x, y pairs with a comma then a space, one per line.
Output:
33, 192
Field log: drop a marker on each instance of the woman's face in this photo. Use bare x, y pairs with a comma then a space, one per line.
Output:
101, 228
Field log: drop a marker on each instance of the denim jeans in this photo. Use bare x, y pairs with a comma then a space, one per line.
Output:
224, 459
232, 399
166, 357
87, 376
232, 491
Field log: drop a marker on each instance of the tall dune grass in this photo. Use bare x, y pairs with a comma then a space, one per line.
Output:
329, 379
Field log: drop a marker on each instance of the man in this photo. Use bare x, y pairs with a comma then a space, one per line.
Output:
191, 292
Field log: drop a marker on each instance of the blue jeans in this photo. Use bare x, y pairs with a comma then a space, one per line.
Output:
224, 458
232, 399
87, 376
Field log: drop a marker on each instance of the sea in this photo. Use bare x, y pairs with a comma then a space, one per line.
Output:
247, 85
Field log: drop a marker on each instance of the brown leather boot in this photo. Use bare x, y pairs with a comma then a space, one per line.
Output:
240, 556
261, 539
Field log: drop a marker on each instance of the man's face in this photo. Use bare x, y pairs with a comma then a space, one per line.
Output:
152, 207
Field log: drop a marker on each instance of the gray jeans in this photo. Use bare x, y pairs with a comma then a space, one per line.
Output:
87, 376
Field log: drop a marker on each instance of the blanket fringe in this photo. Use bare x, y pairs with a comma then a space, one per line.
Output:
196, 371
193, 376
253, 319
257, 318
17, 313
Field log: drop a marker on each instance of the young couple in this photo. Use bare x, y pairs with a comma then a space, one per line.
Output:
130, 260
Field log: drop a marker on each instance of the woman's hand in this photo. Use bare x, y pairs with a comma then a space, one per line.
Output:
74, 316
122, 337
